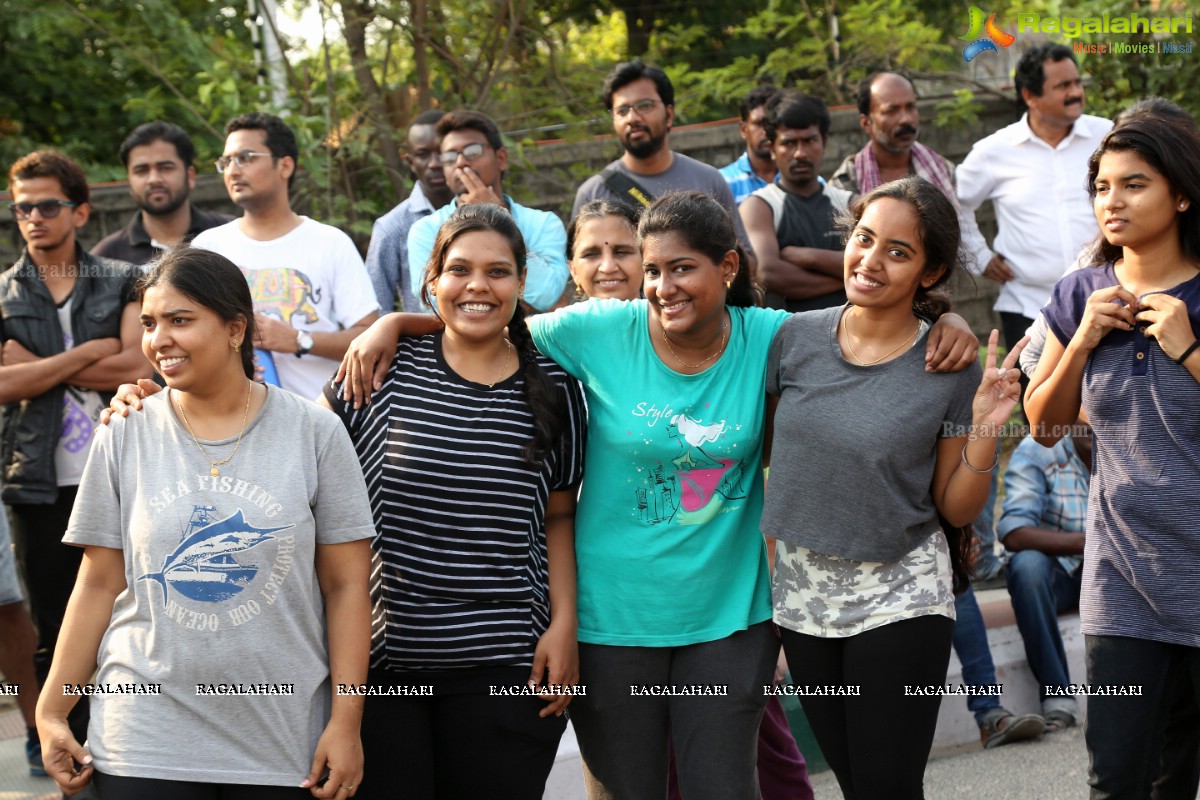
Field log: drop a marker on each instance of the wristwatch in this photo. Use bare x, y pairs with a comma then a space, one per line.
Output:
304, 343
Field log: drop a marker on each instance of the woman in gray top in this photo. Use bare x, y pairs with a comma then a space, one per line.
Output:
876, 467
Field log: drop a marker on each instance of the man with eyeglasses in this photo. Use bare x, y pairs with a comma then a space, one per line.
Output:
158, 164
755, 169
641, 100
311, 291
475, 159
387, 257
69, 336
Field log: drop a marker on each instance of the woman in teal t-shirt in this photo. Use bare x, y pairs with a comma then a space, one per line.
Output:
674, 601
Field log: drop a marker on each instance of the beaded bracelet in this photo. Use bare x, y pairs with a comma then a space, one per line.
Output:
967, 464
1188, 352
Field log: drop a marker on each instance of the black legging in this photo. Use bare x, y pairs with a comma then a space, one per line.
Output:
876, 743
115, 787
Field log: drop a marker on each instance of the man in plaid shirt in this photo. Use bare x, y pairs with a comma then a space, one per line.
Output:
1042, 523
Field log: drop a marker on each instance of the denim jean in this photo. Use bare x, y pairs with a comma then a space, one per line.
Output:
1145, 745
1040, 588
971, 645
987, 563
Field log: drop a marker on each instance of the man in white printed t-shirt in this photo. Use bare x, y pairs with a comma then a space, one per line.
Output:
311, 291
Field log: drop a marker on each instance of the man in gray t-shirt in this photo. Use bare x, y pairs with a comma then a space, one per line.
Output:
642, 102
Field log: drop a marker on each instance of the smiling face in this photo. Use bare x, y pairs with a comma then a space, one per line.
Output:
188, 343
158, 180
478, 286
607, 262
642, 133
885, 257
43, 235
1134, 203
1062, 98
684, 287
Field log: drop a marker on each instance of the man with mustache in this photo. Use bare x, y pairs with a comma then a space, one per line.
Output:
158, 162
791, 223
641, 100
1033, 171
756, 167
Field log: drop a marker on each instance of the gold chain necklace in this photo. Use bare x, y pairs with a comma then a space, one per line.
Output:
507, 359
854, 355
697, 365
214, 464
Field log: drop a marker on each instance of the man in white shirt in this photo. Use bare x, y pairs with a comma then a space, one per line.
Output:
312, 294
1034, 172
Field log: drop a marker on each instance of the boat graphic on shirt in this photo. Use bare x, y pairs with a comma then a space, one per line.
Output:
203, 566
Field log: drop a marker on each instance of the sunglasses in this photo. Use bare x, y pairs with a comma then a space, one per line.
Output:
242, 159
470, 153
49, 209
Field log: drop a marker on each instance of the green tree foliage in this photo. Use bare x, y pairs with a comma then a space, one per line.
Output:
79, 75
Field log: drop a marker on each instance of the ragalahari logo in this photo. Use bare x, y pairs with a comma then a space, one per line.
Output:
995, 36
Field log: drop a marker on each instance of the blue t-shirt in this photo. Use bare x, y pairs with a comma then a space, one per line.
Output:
666, 533
1141, 562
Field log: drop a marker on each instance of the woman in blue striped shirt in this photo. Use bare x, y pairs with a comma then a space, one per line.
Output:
1124, 346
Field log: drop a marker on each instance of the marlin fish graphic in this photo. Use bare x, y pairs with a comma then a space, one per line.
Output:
204, 557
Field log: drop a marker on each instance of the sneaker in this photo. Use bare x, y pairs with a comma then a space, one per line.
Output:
1000, 727
33, 754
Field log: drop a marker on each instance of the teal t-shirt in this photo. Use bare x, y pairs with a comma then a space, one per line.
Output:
666, 533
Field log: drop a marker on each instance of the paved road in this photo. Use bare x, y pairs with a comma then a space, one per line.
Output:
1053, 767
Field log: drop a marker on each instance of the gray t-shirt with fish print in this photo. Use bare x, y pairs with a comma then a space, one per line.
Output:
222, 608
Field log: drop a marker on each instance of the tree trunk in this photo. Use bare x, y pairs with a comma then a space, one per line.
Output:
387, 141
420, 18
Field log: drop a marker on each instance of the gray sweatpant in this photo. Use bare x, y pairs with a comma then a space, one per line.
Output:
623, 722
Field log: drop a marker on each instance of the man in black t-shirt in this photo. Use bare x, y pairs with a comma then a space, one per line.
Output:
792, 223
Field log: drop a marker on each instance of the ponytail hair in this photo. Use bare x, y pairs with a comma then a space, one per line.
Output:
545, 398
937, 228
704, 225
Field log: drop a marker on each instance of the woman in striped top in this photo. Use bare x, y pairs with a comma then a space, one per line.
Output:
472, 451
1124, 346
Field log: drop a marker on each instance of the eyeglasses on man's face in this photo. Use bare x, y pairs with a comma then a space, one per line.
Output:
642, 107
49, 209
470, 153
241, 158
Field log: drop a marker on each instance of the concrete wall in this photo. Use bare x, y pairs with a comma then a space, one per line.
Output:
546, 176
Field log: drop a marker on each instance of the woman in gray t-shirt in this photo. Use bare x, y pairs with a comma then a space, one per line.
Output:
876, 466
223, 591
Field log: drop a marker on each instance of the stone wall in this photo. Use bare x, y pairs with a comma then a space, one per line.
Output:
546, 176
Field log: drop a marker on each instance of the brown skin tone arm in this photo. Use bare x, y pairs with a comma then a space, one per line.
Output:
797, 272
280, 337
24, 376
124, 367
1052, 543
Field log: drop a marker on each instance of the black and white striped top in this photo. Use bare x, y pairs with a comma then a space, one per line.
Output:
459, 577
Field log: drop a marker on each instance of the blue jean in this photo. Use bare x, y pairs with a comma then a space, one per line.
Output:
971, 645
1145, 745
987, 563
1040, 588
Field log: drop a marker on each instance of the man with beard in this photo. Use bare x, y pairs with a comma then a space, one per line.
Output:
756, 167
792, 222
1034, 172
641, 100
387, 257
158, 161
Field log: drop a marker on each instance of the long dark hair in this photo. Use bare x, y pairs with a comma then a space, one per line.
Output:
211, 280
546, 402
937, 227
1172, 149
705, 226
